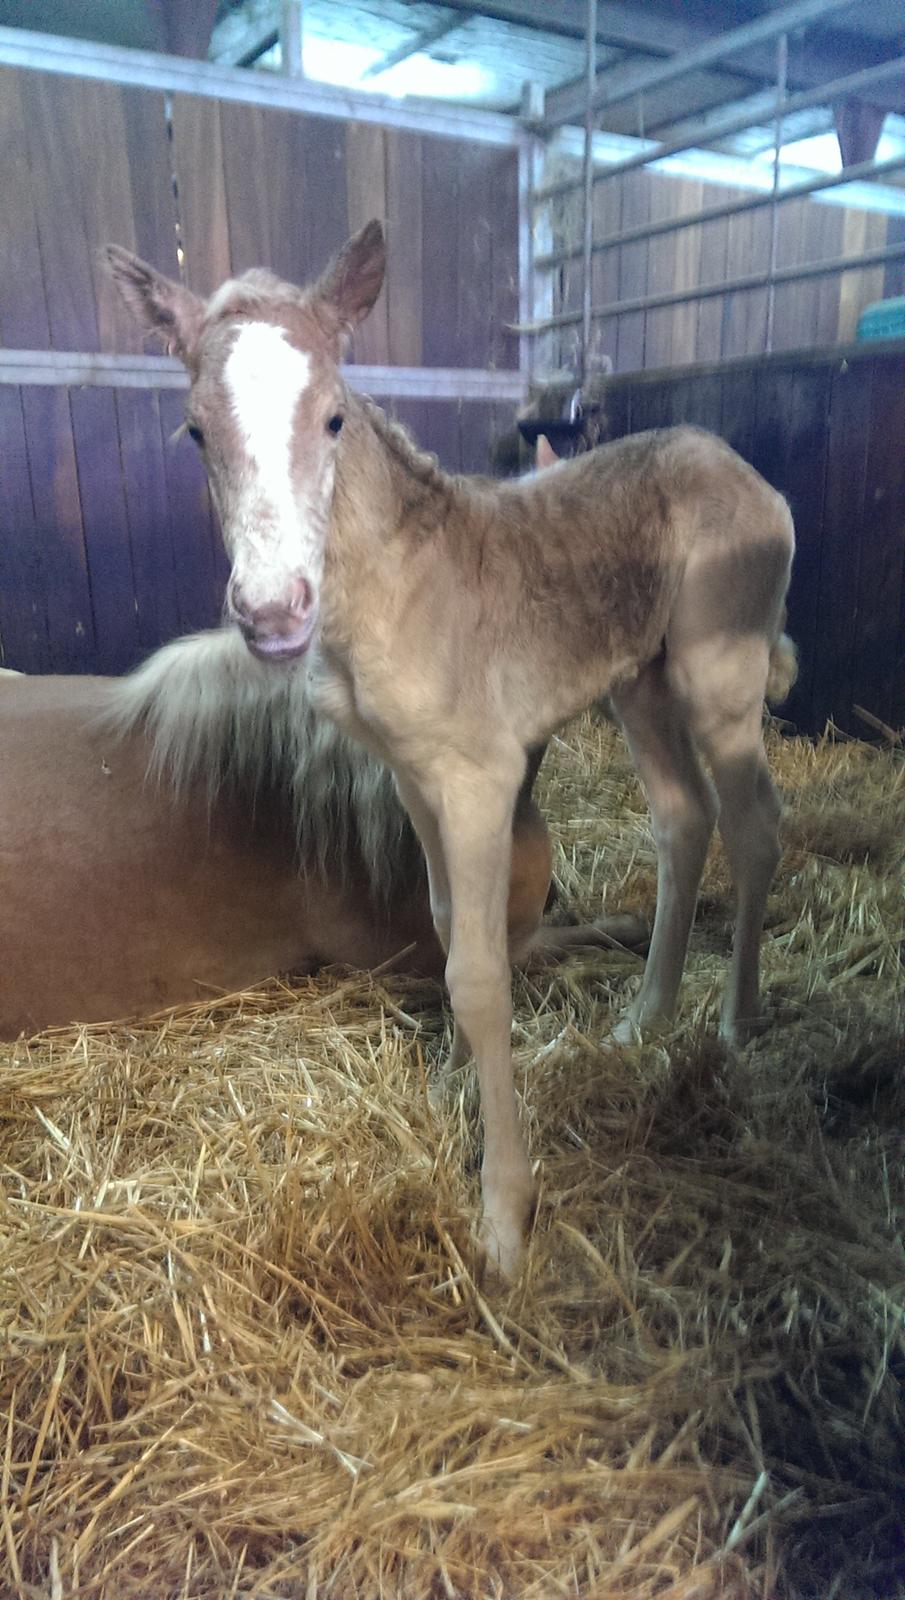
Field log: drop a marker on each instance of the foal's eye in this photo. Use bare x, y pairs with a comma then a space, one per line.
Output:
335, 424
195, 434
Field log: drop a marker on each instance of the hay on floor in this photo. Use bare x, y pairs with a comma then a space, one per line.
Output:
243, 1353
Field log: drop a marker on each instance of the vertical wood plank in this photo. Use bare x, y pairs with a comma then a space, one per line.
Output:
58, 527
439, 286
106, 529
106, 204
633, 268
366, 195
405, 271
474, 255
156, 592
200, 566
605, 273
147, 143
55, 157
714, 245
287, 199
24, 639
320, 144
661, 273
689, 198
198, 163
502, 350
23, 308
246, 186
737, 403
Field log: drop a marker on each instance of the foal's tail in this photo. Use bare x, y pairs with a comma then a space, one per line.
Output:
783, 669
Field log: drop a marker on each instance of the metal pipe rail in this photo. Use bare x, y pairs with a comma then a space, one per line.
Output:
707, 132
731, 208
757, 280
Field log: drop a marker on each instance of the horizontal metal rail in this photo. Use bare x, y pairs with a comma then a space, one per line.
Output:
79, 58
706, 131
731, 208
757, 280
85, 369
784, 20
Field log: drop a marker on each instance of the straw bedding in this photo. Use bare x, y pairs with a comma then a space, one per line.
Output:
243, 1352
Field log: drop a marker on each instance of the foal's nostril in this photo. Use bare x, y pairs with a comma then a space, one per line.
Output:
301, 597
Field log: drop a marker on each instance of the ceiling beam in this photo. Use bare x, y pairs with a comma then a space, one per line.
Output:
823, 55
183, 27
420, 41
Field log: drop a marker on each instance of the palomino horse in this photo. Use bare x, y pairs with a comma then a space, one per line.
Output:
453, 624
279, 848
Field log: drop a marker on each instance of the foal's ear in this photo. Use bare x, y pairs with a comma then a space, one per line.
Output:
354, 278
544, 455
159, 304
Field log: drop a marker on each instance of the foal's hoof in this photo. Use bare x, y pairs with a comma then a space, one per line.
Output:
736, 1032
502, 1255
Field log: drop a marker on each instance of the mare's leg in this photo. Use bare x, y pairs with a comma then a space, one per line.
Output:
683, 810
475, 809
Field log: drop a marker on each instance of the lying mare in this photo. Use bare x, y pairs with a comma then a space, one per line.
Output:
266, 844
453, 624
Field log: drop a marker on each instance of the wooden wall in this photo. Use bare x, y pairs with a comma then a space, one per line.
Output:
812, 312
107, 545
828, 430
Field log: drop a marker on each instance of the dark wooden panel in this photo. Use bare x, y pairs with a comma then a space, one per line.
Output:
790, 449
247, 194
651, 406
737, 409
58, 528
478, 431
198, 163
877, 665
841, 536
56, 157
24, 642
153, 567
106, 529
697, 400
199, 560
405, 271
23, 308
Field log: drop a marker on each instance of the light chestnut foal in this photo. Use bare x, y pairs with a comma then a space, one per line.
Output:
453, 624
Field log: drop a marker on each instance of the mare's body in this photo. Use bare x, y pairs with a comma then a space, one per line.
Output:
121, 894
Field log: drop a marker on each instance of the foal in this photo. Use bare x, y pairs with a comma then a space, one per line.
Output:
453, 624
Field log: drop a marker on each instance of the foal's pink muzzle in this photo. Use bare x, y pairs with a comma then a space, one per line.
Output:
276, 632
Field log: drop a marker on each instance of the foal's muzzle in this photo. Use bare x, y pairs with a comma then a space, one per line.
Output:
277, 632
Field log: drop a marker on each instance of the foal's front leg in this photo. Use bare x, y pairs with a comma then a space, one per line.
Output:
474, 810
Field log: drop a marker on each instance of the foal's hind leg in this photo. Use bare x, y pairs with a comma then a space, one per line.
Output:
682, 809
724, 692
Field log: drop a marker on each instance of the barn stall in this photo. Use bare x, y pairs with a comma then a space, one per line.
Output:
245, 1348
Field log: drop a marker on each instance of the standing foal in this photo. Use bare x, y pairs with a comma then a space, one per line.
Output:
454, 623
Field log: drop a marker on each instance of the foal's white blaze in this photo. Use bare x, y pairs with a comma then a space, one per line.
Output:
277, 532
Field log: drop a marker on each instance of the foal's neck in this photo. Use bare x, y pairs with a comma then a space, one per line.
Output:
387, 489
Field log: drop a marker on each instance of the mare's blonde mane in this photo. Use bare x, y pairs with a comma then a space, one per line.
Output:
216, 716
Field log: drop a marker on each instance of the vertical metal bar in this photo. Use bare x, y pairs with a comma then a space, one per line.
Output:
588, 204
782, 74
291, 38
526, 268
